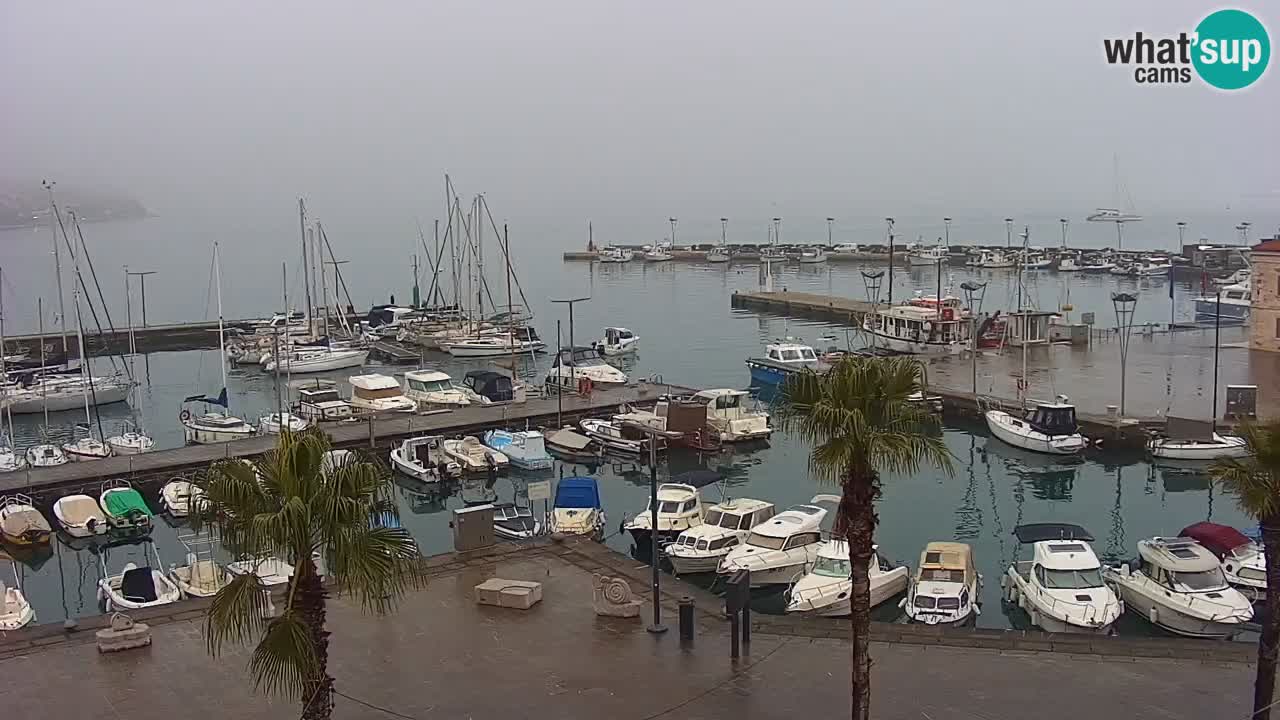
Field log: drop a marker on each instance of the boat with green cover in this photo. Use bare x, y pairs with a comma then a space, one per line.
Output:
124, 507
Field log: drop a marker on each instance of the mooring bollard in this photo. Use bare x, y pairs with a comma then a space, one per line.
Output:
686, 620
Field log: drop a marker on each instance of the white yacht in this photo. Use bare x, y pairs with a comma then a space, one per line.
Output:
812, 255
571, 366
134, 587
45, 455
213, 426
322, 403
1244, 561
317, 359
80, 516
278, 422
658, 253
375, 393
612, 254
1230, 306
731, 421
1061, 586
920, 327
701, 548
945, 589
131, 441
1179, 586
472, 456
718, 254
928, 256
782, 549
434, 390
995, 260
826, 589
617, 341
781, 359
423, 459
15, 610
65, 392
1049, 428
679, 508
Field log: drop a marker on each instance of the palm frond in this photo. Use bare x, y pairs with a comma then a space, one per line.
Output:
376, 564
236, 614
1254, 480
285, 660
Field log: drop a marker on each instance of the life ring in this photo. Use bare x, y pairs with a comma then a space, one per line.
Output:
185, 415
584, 386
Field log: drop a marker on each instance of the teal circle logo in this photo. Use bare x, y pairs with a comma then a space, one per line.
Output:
1231, 49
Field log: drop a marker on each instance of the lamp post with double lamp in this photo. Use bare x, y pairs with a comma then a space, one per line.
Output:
1124, 304
829, 221
971, 290
673, 232
889, 222
654, 434
573, 376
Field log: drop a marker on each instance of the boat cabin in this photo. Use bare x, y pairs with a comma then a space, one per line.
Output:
322, 403
428, 381
1061, 556
795, 527
920, 323
486, 383
1221, 540
742, 514
617, 335
1181, 565
947, 562
1029, 326
577, 357
792, 354
1054, 419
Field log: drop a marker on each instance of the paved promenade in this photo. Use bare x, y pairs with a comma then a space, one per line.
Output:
441, 656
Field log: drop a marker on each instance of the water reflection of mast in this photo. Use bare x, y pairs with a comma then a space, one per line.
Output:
1115, 540
997, 528
969, 514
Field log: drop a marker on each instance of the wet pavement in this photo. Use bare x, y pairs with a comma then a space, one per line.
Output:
442, 656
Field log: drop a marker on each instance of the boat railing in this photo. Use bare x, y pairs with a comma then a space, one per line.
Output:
1089, 612
808, 598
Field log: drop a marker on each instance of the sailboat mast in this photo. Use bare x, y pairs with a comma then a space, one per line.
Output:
511, 316
324, 283
275, 351
222, 339
80, 349
8, 411
57, 272
306, 278
44, 387
1217, 346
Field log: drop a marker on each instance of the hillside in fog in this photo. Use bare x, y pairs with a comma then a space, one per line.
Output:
22, 206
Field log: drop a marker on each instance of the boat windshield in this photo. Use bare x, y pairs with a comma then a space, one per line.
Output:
832, 567
430, 385
1070, 579
765, 541
725, 520
1203, 580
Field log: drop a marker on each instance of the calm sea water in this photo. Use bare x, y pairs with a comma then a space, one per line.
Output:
689, 336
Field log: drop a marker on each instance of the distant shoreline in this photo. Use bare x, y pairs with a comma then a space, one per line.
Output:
44, 223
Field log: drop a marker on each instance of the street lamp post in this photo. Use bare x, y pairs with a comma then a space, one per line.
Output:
777, 231
889, 222
142, 277
829, 221
573, 375
1124, 304
946, 231
654, 434
1008, 232
972, 289
673, 231
724, 230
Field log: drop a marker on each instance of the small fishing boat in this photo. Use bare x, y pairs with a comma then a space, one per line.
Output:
826, 589
525, 449
782, 359
131, 441
21, 523
1061, 586
473, 456
577, 509
1070, 263
423, 458
719, 254
572, 446
945, 589
277, 422
200, 575
135, 587
1049, 428
322, 403
124, 508
617, 341
679, 508
80, 516
15, 611
996, 260
921, 326
46, 455
515, 522
1036, 261
658, 253
731, 421
928, 256
812, 255
1152, 267
616, 437
612, 254
179, 497
701, 548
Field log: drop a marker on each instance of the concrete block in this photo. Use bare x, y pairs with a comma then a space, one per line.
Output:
123, 634
519, 594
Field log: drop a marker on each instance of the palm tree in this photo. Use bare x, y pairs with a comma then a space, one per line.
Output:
299, 503
861, 422
1255, 481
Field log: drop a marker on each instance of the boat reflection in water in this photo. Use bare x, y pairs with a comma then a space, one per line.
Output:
1051, 476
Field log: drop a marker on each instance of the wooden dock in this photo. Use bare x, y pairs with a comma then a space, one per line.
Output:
396, 353
794, 304
378, 433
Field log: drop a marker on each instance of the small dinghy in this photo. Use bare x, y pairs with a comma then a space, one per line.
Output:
15, 611
577, 509
572, 446
179, 497
135, 587
474, 456
424, 459
201, 575
124, 507
80, 516
21, 523
514, 522
526, 449
271, 571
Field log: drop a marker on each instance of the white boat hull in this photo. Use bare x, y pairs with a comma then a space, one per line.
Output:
130, 444
32, 401
335, 360
1220, 447
691, 565
912, 347
491, 349
196, 434
1172, 620
1015, 432
833, 598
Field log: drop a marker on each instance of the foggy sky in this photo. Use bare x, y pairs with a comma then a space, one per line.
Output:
624, 109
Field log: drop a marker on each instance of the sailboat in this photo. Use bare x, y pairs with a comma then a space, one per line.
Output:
213, 426
132, 440
1196, 446
87, 447
10, 459
1048, 428
45, 454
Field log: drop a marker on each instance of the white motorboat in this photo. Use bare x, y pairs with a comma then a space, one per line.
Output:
131, 442
1061, 586
375, 393
945, 589
615, 436
200, 575
928, 256
179, 497
1122, 269
472, 456
136, 587
728, 417
1070, 263
1049, 428
1178, 585
812, 255
515, 522
1152, 267
617, 341
278, 422
213, 427
80, 516
1035, 261
773, 254
719, 254
782, 359
780, 550
1098, 265
86, 449
526, 449
423, 458
65, 392
45, 455
1244, 562
1206, 449
701, 548
920, 327
322, 403
574, 447
612, 254
571, 366
826, 589
679, 508
658, 253
15, 611
1231, 306
434, 390
124, 507
577, 509
318, 359
996, 260
21, 523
